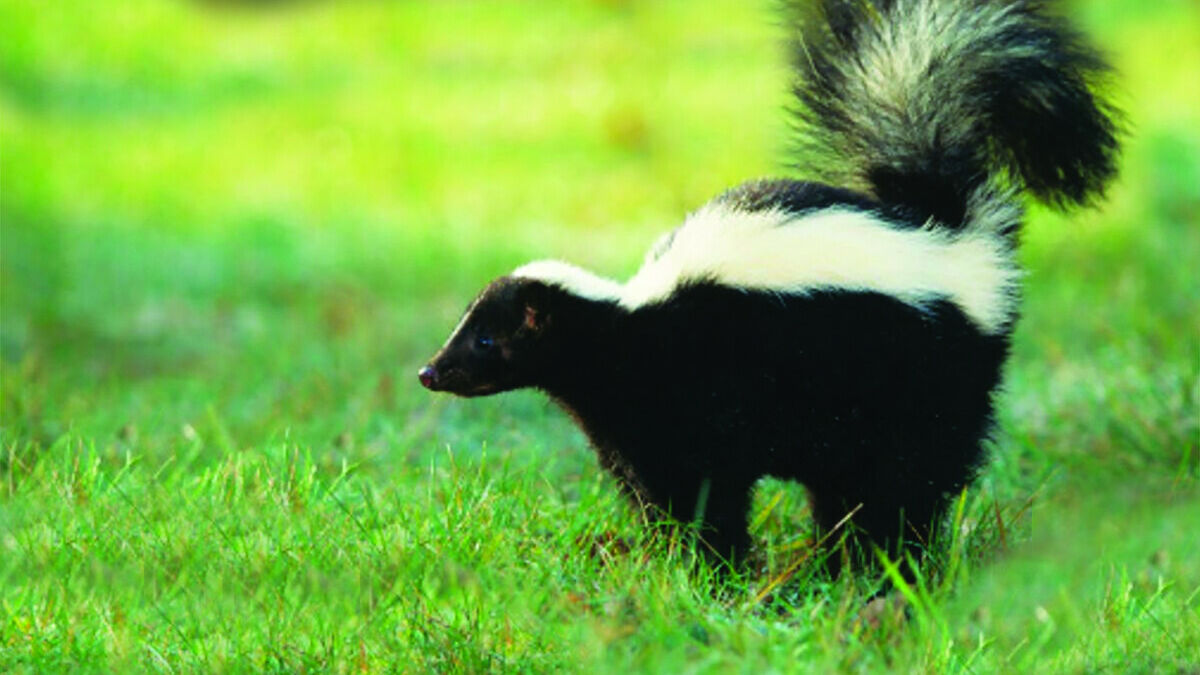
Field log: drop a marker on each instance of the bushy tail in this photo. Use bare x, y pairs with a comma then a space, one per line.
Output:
939, 104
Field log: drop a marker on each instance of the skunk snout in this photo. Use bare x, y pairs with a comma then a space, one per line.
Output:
427, 376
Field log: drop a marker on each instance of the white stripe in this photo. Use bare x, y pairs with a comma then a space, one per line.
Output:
836, 248
571, 278
461, 322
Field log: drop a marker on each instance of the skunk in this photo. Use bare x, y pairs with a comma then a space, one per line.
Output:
847, 332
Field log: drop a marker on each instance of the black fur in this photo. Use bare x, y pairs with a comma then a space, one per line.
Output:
864, 399
845, 392
802, 197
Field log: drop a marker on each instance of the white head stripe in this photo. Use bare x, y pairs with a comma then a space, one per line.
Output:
571, 278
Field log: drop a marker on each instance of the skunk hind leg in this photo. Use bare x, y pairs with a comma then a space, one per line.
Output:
865, 525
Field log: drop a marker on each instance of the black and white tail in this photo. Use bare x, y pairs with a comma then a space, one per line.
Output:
949, 107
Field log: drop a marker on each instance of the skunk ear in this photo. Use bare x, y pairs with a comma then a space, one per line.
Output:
535, 298
533, 318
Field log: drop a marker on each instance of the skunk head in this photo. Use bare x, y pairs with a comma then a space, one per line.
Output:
497, 345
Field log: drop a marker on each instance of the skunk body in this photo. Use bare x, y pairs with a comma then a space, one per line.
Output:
848, 335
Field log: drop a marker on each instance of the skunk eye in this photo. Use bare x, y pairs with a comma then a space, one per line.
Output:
484, 342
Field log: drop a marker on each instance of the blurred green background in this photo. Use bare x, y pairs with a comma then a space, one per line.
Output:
230, 233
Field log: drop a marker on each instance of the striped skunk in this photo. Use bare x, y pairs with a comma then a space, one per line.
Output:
849, 333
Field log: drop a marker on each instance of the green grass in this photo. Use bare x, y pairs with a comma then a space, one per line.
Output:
230, 235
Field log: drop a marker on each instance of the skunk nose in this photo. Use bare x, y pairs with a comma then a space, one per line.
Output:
428, 376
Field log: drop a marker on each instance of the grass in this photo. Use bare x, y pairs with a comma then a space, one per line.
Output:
230, 234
